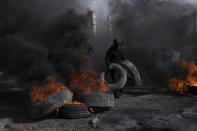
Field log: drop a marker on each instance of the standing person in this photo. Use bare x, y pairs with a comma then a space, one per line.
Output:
114, 54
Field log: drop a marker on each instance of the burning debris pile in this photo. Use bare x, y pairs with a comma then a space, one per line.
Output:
85, 89
54, 95
185, 81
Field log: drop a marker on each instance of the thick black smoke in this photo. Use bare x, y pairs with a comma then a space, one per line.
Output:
149, 25
42, 38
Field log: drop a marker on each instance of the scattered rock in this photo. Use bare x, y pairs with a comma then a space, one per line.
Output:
93, 122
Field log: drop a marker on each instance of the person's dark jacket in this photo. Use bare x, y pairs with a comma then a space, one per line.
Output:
114, 55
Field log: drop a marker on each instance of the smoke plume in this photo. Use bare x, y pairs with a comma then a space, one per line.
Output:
148, 25
42, 38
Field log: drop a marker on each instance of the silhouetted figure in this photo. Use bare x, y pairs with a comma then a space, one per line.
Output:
115, 54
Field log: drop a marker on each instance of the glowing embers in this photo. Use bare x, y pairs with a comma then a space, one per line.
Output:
186, 82
96, 110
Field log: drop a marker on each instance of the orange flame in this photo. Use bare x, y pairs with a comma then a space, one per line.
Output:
87, 82
50, 87
74, 101
182, 82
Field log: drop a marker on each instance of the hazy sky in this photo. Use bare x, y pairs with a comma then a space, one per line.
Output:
99, 6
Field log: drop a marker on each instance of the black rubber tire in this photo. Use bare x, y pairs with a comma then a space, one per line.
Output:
123, 77
96, 99
73, 112
44, 107
75, 116
74, 107
132, 72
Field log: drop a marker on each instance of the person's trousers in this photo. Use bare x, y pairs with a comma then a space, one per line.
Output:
115, 77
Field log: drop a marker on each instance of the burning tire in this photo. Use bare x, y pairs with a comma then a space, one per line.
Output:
96, 99
73, 107
74, 111
123, 77
76, 115
132, 71
49, 104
